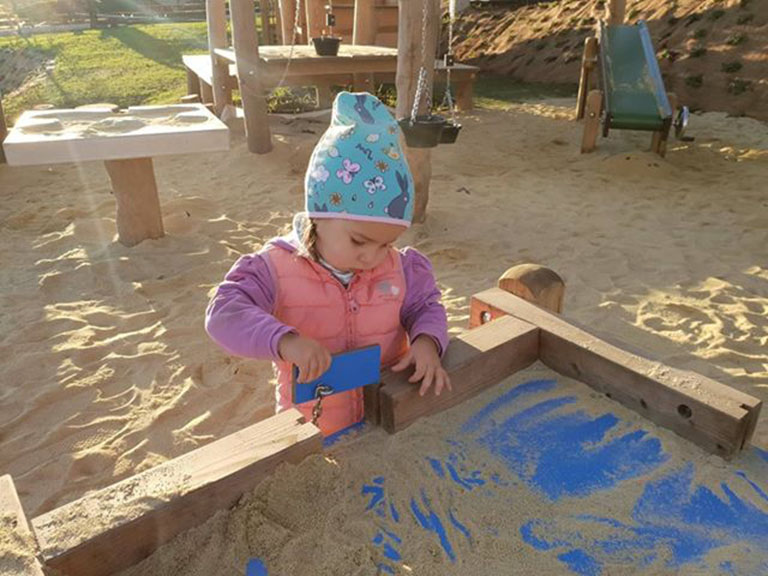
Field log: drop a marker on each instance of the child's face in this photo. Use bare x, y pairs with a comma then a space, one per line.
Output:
349, 246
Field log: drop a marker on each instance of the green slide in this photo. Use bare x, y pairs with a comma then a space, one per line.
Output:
635, 97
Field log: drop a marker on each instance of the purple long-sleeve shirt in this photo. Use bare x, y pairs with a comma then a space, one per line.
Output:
240, 316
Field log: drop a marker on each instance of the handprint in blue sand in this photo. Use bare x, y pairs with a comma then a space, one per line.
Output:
675, 523
562, 452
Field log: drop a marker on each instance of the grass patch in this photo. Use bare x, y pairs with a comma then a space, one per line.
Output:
127, 66
731, 67
716, 14
499, 92
745, 19
738, 86
700, 33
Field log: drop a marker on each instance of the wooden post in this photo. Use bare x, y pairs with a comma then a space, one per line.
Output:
193, 83
3, 132
315, 14
287, 18
138, 206
537, 284
206, 93
592, 123
615, 12
267, 36
364, 30
409, 62
216, 17
586, 81
19, 554
246, 45
465, 88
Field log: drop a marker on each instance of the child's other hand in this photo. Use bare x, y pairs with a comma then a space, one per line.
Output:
423, 354
312, 358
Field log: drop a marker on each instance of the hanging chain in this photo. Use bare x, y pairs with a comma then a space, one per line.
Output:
295, 30
321, 392
448, 96
421, 84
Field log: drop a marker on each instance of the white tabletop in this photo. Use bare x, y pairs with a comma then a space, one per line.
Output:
54, 136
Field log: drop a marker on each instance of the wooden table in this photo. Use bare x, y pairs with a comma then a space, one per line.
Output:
125, 141
367, 65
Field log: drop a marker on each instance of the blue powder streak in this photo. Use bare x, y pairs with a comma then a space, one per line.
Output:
255, 568
580, 563
459, 526
437, 466
432, 523
532, 387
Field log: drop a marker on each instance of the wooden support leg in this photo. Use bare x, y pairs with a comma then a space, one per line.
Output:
3, 132
206, 93
19, 551
193, 83
138, 206
420, 160
586, 80
592, 123
324, 96
246, 46
221, 94
464, 92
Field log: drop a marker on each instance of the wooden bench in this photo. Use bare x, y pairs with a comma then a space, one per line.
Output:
306, 70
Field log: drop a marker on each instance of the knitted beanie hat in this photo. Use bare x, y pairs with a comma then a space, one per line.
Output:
358, 170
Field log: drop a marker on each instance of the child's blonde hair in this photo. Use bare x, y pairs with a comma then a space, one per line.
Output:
309, 241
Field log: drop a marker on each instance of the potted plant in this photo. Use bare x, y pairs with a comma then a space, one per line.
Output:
327, 44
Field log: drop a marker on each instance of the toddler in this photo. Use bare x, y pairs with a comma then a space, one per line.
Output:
336, 283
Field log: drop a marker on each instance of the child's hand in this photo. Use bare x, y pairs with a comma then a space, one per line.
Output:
423, 354
312, 358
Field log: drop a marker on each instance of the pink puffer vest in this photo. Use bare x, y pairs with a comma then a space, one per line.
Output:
309, 298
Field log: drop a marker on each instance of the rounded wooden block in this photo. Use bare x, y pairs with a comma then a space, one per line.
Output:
536, 284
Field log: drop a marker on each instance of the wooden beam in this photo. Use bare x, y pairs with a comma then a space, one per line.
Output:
268, 33
615, 12
18, 551
119, 526
409, 62
287, 19
216, 18
474, 361
586, 80
364, 28
138, 206
246, 45
315, 17
592, 121
718, 418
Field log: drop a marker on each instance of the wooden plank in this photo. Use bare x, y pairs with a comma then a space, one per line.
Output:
365, 22
474, 361
254, 99
718, 418
592, 121
315, 17
117, 527
615, 12
586, 79
287, 20
18, 553
138, 205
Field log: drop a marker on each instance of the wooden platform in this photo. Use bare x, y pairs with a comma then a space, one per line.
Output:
308, 69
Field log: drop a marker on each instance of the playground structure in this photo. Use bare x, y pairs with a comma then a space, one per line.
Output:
632, 94
125, 141
95, 536
256, 70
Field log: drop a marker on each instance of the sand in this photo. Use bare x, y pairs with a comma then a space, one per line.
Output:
108, 371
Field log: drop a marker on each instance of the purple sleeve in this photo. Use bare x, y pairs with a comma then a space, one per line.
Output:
239, 316
422, 312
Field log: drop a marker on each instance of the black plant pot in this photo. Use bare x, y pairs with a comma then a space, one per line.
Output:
326, 45
450, 132
424, 131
